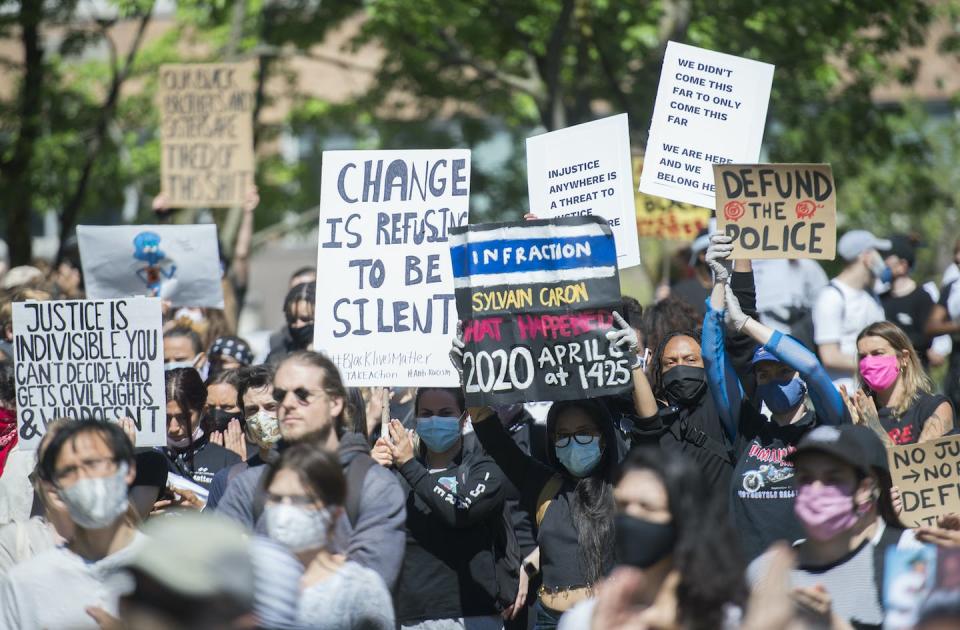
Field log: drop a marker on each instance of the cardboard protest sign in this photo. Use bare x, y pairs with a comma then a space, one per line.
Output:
927, 475
778, 210
206, 134
179, 263
99, 359
710, 109
385, 307
586, 170
659, 217
536, 299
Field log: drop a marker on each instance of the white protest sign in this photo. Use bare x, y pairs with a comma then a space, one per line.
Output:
180, 263
89, 359
711, 109
385, 306
587, 169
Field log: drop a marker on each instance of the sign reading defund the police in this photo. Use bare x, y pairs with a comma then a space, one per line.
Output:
536, 300
778, 210
928, 476
98, 359
385, 307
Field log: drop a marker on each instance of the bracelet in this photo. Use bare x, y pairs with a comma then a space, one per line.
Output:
530, 569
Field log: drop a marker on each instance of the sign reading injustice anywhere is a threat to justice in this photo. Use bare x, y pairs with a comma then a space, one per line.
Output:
778, 210
928, 476
536, 299
385, 313
100, 359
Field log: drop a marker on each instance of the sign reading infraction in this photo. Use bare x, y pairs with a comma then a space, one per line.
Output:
928, 476
99, 359
206, 134
536, 299
778, 210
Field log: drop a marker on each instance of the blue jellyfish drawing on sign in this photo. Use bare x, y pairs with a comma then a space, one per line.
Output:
147, 248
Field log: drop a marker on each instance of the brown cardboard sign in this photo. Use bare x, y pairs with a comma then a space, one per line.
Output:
928, 476
206, 134
777, 210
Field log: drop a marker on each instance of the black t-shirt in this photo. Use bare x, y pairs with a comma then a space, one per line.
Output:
207, 460
910, 312
762, 489
905, 429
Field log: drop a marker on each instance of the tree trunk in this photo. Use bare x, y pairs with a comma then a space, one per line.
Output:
15, 173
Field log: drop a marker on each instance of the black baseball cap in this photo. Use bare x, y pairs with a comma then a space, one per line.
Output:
841, 442
902, 247
872, 446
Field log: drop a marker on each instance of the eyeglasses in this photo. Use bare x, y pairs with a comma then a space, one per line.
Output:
302, 394
563, 441
300, 499
94, 467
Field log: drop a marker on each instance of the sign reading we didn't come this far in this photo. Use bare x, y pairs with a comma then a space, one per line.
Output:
777, 210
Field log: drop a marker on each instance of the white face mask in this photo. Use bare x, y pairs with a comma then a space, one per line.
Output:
96, 502
264, 428
296, 527
185, 442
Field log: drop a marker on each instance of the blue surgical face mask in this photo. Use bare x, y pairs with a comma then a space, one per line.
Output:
439, 433
579, 459
886, 276
782, 396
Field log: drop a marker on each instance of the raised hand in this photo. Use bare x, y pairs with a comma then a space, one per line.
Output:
719, 250
233, 439
735, 318
456, 350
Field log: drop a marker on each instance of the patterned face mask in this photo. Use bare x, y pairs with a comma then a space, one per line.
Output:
263, 429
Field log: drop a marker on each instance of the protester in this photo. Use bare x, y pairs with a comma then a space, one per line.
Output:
945, 320
229, 353
182, 347
906, 303
895, 394
89, 464
189, 452
298, 309
675, 565
762, 494
455, 510
665, 317
313, 410
223, 417
847, 305
306, 494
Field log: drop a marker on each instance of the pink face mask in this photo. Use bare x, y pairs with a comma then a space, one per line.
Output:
825, 510
879, 371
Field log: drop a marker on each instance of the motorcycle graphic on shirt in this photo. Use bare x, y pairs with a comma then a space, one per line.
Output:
766, 474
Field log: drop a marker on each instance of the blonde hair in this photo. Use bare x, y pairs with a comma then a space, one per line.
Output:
914, 378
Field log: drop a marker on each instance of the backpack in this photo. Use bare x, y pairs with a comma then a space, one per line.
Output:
800, 320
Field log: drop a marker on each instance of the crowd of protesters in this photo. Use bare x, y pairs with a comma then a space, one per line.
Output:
743, 483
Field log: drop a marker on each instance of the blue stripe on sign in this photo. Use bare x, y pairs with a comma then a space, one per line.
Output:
534, 254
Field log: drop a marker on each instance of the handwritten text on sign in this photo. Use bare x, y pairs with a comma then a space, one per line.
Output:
928, 476
206, 114
536, 299
778, 210
386, 304
99, 359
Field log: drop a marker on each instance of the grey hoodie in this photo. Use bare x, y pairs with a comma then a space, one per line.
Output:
378, 540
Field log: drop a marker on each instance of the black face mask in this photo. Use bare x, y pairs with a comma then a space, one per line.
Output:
303, 336
684, 385
640, 543
218, 419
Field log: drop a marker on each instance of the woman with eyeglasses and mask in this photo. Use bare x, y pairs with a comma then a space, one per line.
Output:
674, 566
305, 496
298, 309
784, 374
189, 451
455, 501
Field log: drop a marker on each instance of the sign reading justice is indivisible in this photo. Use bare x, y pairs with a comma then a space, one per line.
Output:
777, 210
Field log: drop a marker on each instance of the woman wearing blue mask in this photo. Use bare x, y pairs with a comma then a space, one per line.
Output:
455, 518
784, 375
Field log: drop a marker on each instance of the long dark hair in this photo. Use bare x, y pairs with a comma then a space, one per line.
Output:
592, 505
185, 387
657, 384
667, 316
705, 555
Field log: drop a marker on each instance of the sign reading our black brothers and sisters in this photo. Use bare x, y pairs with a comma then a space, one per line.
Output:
385, 310
99, 359
778, 210
536, 300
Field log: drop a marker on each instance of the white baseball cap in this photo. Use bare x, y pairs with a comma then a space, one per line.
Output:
855, 242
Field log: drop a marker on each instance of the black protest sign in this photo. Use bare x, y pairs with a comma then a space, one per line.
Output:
777, 210
536, 299
99, 359
928, 476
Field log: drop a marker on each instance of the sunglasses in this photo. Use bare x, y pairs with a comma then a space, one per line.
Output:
302, 395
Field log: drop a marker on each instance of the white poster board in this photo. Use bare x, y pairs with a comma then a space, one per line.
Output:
385, 305
89, 359
179, 263
587, 170
711, 109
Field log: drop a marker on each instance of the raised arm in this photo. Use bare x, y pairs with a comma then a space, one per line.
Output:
473, 500
240, 265
625, 338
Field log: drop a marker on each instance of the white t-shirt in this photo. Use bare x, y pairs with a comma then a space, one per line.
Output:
839, 314
784, 283
54, 588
